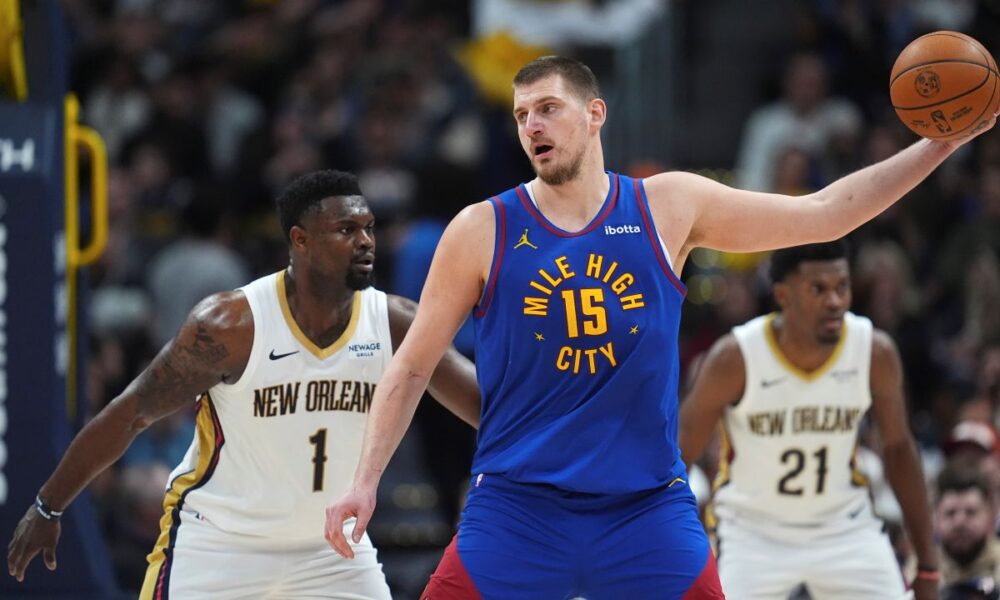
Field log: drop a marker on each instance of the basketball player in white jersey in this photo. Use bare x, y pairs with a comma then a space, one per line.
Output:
791, 389
285, 368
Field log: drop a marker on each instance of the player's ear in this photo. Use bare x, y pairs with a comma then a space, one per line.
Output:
598, 111
297, 238
780, 291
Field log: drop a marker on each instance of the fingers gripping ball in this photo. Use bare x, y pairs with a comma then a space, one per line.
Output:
944, 86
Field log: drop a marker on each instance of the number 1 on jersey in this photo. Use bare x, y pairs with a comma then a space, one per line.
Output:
319, 459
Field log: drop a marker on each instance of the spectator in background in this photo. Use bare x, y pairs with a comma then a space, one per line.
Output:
805, 116
118, 106
969, 443
965, 521
193, 267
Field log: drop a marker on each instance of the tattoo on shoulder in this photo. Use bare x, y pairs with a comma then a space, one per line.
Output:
205, 348
185, 364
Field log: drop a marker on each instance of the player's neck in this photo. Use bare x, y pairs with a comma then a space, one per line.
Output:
321, 308
574, 204
799, 346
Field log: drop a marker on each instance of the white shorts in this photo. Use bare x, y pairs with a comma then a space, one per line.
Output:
849, 563
206, 563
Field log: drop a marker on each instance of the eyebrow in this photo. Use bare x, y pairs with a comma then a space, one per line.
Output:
541, 100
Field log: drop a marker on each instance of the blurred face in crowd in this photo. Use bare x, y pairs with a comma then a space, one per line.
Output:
964, 522
556, 126
815, 297
805, 83
337, 241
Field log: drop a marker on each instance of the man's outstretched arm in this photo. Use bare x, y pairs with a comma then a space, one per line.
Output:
692, 211
453, 287
213, 345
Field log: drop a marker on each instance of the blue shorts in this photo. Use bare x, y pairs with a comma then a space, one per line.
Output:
530, 541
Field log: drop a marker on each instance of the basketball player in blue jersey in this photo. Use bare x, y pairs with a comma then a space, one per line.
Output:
790, 390
578, 486
285, 369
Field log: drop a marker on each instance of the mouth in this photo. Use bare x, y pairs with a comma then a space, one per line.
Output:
364, 263
833, 322
542, 151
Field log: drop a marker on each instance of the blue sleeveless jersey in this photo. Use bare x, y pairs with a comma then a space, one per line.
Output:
576, 349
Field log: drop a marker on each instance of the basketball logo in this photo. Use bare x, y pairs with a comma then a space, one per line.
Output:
928, 84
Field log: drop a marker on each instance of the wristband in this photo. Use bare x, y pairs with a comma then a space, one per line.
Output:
928, 574
46, 511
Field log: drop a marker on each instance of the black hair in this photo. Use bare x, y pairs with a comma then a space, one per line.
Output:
787, 260
577, 75
963, 480
306, 192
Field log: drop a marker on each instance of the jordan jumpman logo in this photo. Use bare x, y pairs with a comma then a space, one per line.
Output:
524, 241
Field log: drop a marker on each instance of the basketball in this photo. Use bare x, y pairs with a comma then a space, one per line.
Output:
944, 86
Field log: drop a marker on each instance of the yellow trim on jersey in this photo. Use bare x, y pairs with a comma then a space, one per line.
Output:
858, 478
205, 429
772, 342
321, 353
721, 477
725, 449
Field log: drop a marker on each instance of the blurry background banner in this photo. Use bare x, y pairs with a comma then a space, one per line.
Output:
39, 255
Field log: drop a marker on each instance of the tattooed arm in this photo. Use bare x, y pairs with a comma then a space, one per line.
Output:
212, 346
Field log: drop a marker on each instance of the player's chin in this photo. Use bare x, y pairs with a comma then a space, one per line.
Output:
828, 337
358, 279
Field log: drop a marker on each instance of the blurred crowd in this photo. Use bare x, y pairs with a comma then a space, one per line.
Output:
209, 108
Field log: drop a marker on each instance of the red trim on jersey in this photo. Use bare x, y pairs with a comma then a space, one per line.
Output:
640, 194
538, 216
501, 241
707, 586
450, 580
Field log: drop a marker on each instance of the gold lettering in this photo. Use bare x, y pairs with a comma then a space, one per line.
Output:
564, 267
611, 269
633, 301
561, 363
538, 307
547, 277
621, 284
594, 263
591, 354
541, 288
609, 351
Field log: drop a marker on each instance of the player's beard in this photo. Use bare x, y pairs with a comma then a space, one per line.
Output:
829, 339
358, 281
560, 174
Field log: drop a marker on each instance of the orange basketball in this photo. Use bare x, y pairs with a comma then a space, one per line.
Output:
944, 86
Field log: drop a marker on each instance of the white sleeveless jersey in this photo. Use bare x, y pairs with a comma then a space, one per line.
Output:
273, 449
788, 446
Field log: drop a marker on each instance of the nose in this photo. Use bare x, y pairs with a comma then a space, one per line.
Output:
533, 124
835, 300
365, 239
